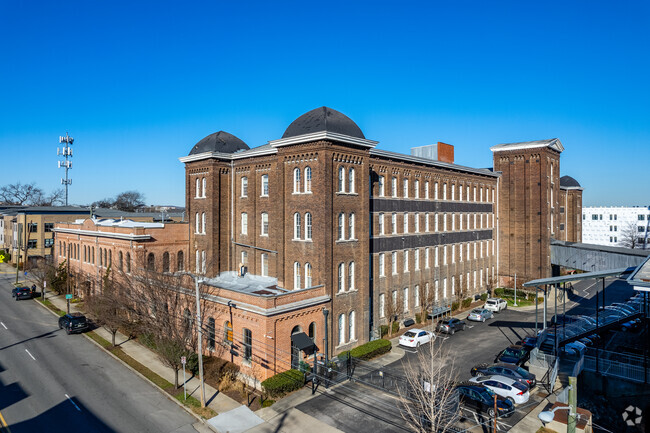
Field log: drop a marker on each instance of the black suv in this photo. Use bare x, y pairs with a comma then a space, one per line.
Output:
481, 398
73, 323
450, 326
513, 354
22, 293
508, 370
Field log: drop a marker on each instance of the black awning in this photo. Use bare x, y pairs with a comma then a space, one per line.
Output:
303, 342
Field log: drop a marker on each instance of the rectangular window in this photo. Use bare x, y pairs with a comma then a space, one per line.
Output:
416, 187
453, 190
244, 187
33, 227
47, 243
265, 185
244, 223
265, 224
211, 334
381, 186
393, 259
406, 223
406, 261
416, 222
453, 253
435, 191
426, 222
406, 299
444, 255
393, 187
382, 265
416, 259
32, 243
406, 188
393, 223
381, 223
435, 256
382, 305
248, 345
426, 190
444, 191
244, 258
426, 257
48, 227
265, 264
416, 296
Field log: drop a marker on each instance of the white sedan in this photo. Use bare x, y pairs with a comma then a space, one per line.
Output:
415, 337
507, 388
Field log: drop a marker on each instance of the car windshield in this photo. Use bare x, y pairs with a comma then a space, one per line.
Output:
446, 322
522, 372
520, 386
489, 392
409, 334
77, 320
477, 311
491, 302
511, 352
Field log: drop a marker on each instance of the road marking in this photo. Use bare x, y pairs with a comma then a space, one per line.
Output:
30, 354
3, 325
73, 403
4, 424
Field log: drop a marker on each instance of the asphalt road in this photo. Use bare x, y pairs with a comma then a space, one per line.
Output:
53, 382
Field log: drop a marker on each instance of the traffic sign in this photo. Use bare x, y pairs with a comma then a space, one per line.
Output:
183, 360
69, 296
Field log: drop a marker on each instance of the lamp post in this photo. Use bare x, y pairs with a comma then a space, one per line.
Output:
200, 339
326, 312
547, 416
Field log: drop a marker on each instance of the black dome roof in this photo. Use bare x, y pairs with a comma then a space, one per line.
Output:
323, 119
219, 142
568, 181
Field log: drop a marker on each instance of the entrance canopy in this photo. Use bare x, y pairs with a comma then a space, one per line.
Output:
578, 277
303, 342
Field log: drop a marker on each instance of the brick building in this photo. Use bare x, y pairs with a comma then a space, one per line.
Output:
570, 210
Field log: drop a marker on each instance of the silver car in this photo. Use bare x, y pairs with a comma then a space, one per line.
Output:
480, 315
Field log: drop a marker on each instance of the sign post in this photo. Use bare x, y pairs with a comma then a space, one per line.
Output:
44, 289
67, 299
183, 361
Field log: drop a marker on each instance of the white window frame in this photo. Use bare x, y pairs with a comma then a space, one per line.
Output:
264, 224
264, 192
244, 223
382, 265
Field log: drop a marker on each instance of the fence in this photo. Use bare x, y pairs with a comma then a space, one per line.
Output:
618, 369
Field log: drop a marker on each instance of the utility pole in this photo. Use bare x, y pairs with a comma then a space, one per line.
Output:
515, 304
573, 401
66, 152
200, 340
19, 241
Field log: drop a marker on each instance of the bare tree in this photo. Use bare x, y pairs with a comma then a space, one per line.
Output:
105, 203
429, 400
629, 236
129, 201
107, 306
55, 198
427, 300
44, 271
394, 308
21, 194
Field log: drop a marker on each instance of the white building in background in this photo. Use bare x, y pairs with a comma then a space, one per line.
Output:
613, 226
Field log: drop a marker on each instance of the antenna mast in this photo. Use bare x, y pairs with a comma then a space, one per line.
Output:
66, 152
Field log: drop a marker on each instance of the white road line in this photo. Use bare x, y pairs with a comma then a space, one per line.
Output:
73, 403
30, 354
3, 325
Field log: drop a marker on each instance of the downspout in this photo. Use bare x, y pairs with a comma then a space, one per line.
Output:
232, 212
498, 236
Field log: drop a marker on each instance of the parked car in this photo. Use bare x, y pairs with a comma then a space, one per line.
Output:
508, 370
632, 325
529, 342
450, 325
629, 308
22, 293
514, 354
481, 399
506, 387
415, 337
480, 315
495, 304
73, 323
620, 311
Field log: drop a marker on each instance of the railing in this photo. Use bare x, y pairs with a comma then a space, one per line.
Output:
621, 370
541, 359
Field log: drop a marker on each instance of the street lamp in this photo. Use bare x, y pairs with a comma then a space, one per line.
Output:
197, 281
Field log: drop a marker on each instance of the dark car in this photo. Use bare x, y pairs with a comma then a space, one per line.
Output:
529, 342
22, 293
507, 370
73, 323
450, 325
514, 354
481, 399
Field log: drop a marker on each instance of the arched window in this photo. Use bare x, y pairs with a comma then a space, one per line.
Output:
197, 223
106, 257
341, 179
341, 329
120, 257
308, 226
351, 276
180, 261
351, 226
351, 180
297, 225
227, 332
244, 186
198, 188
308, 277
312, 331
198, 261
211, 333
265, 185
187, 322
165, 262
151, 262
101, 258
92, 255
393, 187
382, 190
416, 187
341, 277
128, 262
296, 180
204, 184
351, 330
341, 232
203, 223
307, 179
296, 276
248, 344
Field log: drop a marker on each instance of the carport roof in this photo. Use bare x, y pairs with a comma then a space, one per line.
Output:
578, 277
640, 278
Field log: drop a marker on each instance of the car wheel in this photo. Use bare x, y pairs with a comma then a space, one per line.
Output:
506, 307
490, 412
452, 331
16, 298
60, 327
67, 331
478, 374
511, 400
417, 345
483, 319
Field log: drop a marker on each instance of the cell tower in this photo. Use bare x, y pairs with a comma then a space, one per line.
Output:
66, 152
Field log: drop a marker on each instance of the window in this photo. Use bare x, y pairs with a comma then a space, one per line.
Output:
187, 321
211, 333
203, 222
244, 223
444, 191
341, 229
296, 180
444, 255
204, 184
312, 332
351, 330
341, 329
165, 262
47, 227
308, 275
435, 191
381, 186
416, 259
393, 187
351, 180
128, 261
197, 223
341, 285
265, 224
416, 187
416, 223
308, 226
248, 345
265, 185
203, 262
453, 253
393, 259
393, 223
341, 179
406, 222
460, 192
47, 243
426, 222
151, 261
406, 261
444, 222
426, 258
197, 193
120, 260
416, 296
351, 276
382, 305
227, 332
244, 258
460, 252
264, 258
32, 243
297, 225
435, 222
453, 190
406, 188
296, 276
307, 179
351, 226
244, 186
453, 285
444, 288
426, 189
595, 217
405, 299
380, 223
435, 256
382, 264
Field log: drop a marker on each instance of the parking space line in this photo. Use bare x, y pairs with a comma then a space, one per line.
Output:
32, 356
3, 325
3, 424
73, 403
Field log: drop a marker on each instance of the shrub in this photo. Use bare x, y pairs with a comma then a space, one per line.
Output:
304, 367
454, 306
220, 369
147, 339
498, 292
466, 302
192, 364
268, 402
284, 383
383, 330
484, 297
395, 326
369, 350
418, 318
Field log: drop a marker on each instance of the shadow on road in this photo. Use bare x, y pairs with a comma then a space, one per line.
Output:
44, 335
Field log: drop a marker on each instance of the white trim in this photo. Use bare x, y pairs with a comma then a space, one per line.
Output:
432, 162
323, 135
554, 144
99, 234
228, 156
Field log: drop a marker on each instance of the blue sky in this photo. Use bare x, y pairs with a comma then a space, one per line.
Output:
139, 83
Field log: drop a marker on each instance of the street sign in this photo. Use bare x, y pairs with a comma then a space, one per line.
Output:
25, 273
69, 296
183, 360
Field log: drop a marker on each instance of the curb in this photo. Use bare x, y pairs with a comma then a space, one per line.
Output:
169, 397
